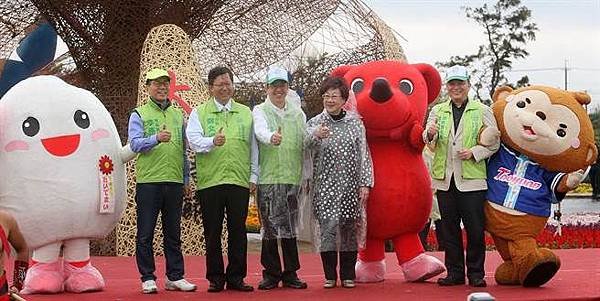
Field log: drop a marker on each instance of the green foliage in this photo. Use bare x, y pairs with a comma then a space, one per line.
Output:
508, 28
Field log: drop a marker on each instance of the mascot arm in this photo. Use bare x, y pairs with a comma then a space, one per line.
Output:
127, 154
489, 136
416, 139
492, 134
570, 181
413, 133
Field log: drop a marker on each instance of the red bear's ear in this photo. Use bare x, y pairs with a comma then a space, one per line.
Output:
433, 80
341, 71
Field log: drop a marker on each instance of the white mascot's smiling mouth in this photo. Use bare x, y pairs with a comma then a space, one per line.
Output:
61, 146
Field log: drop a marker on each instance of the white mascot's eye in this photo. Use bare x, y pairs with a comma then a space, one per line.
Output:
82, 119
31, 126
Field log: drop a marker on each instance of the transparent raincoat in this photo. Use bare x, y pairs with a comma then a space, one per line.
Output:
336, 167
280, 169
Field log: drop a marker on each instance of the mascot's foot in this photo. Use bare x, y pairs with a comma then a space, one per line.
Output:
44, 278
506, 274
373, 271
543, 270
422, 268
84, 279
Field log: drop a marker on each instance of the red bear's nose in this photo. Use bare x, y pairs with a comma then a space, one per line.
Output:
381, 91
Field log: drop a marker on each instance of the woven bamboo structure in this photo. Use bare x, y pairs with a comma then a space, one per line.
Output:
106, 41
170, 48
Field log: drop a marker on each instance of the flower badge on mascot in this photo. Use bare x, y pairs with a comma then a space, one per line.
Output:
547, 141
63, 179
392, 98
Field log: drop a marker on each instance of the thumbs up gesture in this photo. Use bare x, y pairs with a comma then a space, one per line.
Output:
432, 128
276, 137
322, 131
163, 135
219, 138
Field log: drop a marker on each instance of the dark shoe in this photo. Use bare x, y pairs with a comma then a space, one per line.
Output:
239, 286
541, 274
295, 283
450, 281
215, 287
268, 284
477, 282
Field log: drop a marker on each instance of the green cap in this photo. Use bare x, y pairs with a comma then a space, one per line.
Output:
457, 72
275, 74
156, 73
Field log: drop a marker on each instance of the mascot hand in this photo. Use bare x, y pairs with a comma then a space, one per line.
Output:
575, 178
416, 136
488, 136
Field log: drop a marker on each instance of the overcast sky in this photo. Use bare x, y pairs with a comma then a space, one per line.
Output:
435, 30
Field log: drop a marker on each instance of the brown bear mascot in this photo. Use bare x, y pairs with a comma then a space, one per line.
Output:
547, 141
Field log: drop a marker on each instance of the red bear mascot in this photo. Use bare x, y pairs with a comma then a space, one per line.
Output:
392, 98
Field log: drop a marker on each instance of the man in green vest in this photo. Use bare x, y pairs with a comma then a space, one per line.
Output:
279, 128
458, 174
220, 132
156, 133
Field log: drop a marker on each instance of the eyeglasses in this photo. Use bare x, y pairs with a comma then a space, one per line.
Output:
327, 96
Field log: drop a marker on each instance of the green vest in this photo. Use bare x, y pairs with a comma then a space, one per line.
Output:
472, 122
164, 162
282, 164
229, 163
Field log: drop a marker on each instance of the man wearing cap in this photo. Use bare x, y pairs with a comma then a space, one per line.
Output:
279, 128
458, 174
220, 132
156, 133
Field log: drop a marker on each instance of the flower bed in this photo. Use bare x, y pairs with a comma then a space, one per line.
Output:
580, 230
252, 221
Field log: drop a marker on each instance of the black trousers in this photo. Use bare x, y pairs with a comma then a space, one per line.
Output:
269, 258
215, 203
438, 234
347, 263
594, 181
455, 206
152, 199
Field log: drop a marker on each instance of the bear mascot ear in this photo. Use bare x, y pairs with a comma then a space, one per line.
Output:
501, 93
433, 80
581, 97
341, 70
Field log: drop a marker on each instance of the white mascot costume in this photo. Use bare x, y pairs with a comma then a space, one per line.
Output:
63, 178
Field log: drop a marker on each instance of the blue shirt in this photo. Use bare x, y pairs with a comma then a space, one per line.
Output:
516, 182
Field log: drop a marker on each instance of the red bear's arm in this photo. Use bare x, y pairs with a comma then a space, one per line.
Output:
414, 136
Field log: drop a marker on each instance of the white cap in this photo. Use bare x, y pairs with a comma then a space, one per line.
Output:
457, 72
276, 73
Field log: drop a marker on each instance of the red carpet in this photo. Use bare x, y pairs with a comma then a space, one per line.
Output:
578, 279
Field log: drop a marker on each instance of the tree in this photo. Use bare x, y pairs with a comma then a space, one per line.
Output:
508, 27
